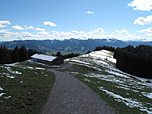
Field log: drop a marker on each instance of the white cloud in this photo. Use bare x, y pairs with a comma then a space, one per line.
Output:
129, 37
74, 31
43, 33
30, 27
39, 29
89, 12
4, 23
48, 23
149, 30
3, 32
2, 26
27, 28
143, 21
149, 34
121, 31
17, 27
143, 5
26, 34
6, 35
99, 30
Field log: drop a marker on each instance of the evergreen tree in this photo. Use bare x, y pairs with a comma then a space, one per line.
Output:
135, 60
1, 56
31, 52
88, 52
18, 54
58, 54
15, 54
6, 55
23, 54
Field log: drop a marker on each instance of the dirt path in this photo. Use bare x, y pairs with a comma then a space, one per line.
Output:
70, 96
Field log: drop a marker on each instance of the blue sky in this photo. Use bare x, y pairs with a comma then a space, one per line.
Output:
83, 19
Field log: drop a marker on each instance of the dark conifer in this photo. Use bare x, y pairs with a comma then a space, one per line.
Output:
58, 54
135, 60
15, 54
23, 54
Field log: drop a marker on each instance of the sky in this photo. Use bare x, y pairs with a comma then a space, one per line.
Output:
81, 19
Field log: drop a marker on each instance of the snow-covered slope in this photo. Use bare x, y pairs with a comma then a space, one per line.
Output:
135, 93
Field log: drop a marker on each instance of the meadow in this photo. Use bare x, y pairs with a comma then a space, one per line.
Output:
24, 87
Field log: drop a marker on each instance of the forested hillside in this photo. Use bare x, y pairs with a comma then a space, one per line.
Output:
135, 60
18, 54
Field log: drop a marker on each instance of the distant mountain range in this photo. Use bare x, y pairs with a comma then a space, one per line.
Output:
70, 45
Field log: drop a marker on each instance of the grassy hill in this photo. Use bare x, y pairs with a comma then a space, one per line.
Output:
24, 88
124, 92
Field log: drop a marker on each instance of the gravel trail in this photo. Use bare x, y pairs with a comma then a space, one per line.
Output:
71, 96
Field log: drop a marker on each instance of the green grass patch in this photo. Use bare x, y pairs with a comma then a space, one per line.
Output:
26, 91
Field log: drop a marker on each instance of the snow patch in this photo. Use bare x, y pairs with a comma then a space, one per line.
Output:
38, 68
1, 66
1, 94
21, 82
11, 71
13, 64
117, 74
103, 55
149, 95
87, 80
11, 77
7, 75
123, 87
80, 62
28, 68
127, 101
8, 97
1, 88
74, 72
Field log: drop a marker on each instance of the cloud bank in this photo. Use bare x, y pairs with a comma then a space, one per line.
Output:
143, 20
143, 5
4, 24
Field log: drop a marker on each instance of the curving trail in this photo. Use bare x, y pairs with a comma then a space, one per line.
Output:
71, 96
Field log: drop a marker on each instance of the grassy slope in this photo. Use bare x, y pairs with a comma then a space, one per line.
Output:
96, 77
27, 92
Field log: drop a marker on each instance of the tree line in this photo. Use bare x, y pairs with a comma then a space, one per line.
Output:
66, 56
109, 48
8, 56
135, 60
19, 54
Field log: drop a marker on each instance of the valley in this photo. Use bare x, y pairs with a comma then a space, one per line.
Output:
70, 45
